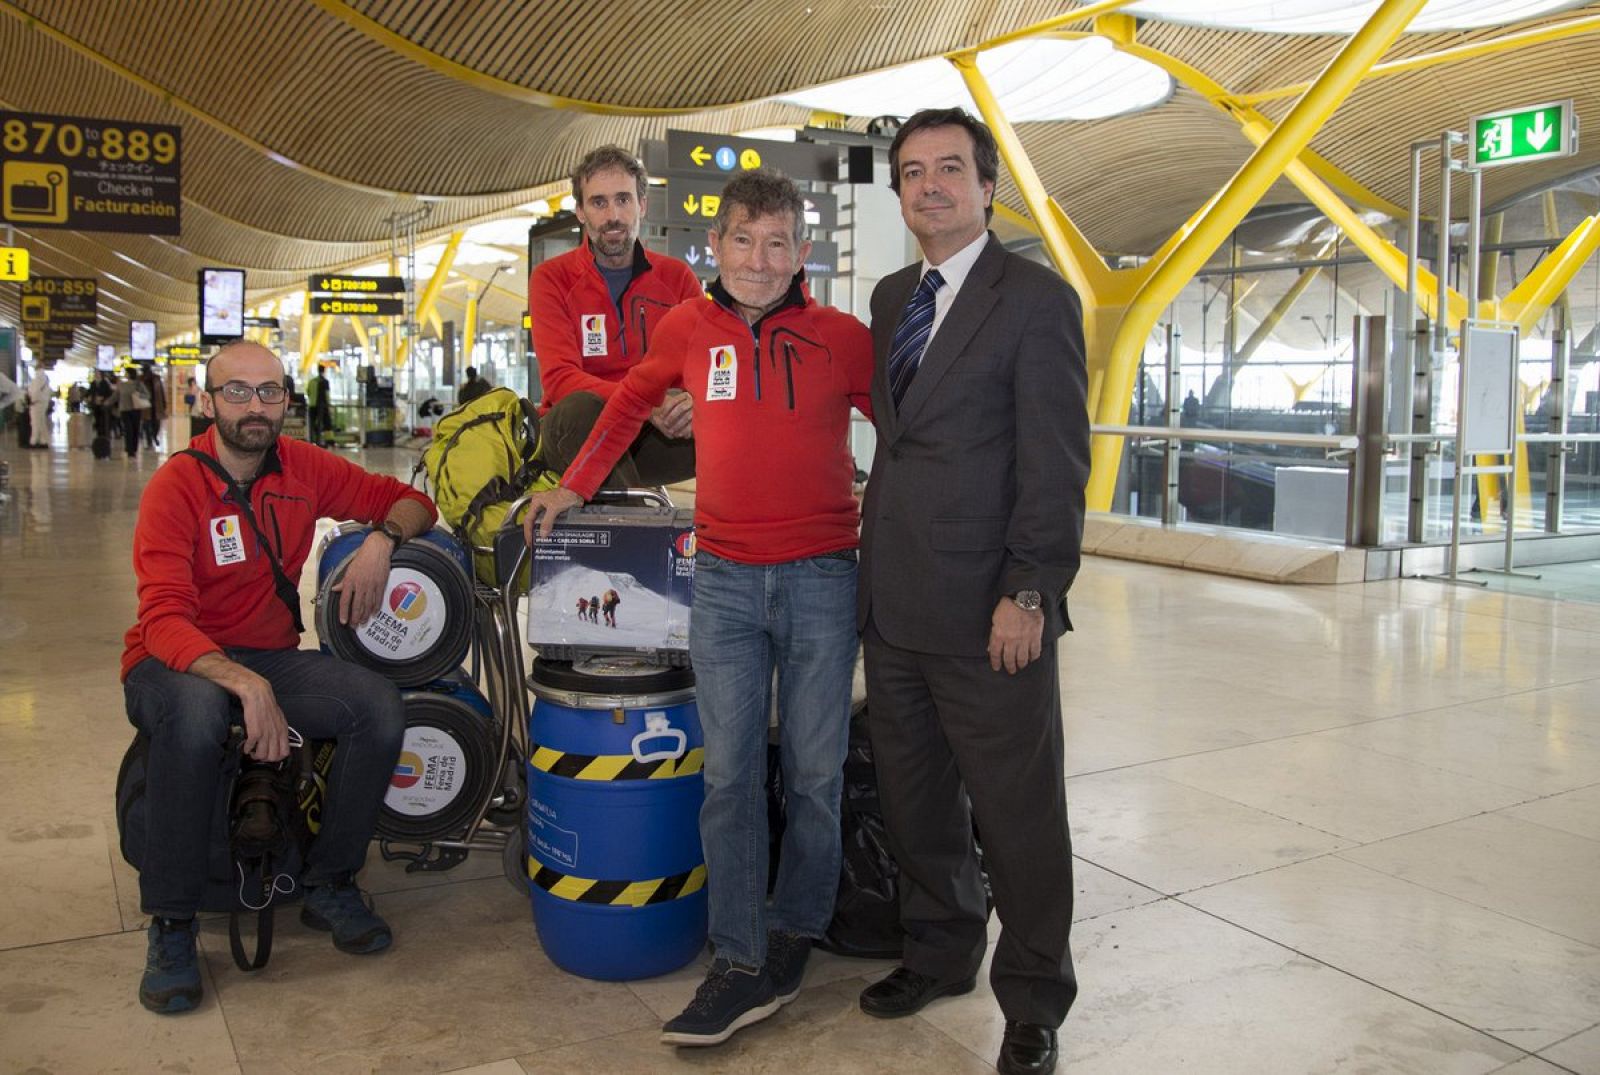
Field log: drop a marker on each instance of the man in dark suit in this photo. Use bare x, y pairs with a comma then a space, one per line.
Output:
972, 525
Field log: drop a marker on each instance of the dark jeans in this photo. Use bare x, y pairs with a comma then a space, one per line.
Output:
131, 420
652, 459
187, 719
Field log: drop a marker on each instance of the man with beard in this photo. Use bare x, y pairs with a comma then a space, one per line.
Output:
773, 375
223, 532
594, 311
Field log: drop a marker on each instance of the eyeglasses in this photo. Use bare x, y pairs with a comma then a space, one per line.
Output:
239, 392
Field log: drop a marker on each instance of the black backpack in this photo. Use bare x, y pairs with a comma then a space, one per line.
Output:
261, 828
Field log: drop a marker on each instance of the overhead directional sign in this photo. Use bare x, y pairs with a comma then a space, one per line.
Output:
183, 352
61, 302
89, 174
697, 154
328, 284
13, 263
357, 306
696, 201
1514, 135
690, 246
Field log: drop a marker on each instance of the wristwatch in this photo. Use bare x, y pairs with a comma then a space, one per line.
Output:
391, 530
1027, 600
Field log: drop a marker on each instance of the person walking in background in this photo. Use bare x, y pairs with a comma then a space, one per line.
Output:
131, 402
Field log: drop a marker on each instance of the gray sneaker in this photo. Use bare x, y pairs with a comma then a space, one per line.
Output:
731, 998
786, 962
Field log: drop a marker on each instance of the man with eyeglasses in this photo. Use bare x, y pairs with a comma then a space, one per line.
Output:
223, 532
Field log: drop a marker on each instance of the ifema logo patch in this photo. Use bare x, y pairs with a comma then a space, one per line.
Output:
407, 601
225, 528
685, 544
722, 357
407, 771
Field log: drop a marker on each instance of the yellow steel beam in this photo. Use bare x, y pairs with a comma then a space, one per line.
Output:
1552, 228
1224, 100
1521, 39
430, 294
182, 104
1274, 318
1265, 165
1384, 255
305, 328
319, 344
1081, 14
361, 334
1073, 255
469, 329
1529, 300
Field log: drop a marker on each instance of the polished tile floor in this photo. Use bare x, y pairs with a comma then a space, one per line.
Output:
1351, 829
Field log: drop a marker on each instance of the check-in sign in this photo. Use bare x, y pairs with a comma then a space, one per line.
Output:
356, 306
89, 174
1537, 132
61, 299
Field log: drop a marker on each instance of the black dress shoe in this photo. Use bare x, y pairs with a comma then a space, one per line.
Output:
905, 992
1028, 1049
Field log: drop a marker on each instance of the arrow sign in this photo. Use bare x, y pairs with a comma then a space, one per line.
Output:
699, 155
1541, 132
691, 205
1511, 136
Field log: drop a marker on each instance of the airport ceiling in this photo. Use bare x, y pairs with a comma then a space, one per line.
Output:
307, 125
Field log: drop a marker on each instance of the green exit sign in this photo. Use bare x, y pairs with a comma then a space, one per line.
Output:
1524, 134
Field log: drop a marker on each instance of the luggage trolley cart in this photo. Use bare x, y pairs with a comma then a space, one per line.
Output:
489, 815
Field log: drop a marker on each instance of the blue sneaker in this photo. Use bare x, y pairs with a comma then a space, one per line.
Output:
731, 998
171, 981
344, 910
786, 962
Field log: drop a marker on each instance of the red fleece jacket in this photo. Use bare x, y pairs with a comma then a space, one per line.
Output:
584, 342
771, 423
204, 582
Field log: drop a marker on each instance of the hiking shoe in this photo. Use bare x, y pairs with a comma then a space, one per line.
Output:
731, 998
787, 953
344, 910
171, 981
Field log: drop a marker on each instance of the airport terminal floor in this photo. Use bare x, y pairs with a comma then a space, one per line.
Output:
1318, 829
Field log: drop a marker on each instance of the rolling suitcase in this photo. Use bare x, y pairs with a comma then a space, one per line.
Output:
101, 447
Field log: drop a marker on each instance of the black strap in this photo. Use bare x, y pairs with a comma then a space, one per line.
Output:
263, 940
287, 592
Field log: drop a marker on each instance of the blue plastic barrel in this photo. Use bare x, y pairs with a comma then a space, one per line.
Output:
423, 628
615, 870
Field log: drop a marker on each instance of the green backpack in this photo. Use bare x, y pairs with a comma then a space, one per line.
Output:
482, 459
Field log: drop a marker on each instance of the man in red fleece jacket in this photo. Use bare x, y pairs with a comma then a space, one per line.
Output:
773, 376
218, 629
594, 311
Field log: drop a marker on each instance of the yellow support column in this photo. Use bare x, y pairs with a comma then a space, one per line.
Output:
319, 343
430, 294
1241, 194
468, 328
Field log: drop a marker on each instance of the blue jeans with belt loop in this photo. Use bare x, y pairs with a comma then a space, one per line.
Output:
187, 718
748, 620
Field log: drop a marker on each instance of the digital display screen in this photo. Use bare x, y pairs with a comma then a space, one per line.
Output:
221, 305
105, 357
142, 340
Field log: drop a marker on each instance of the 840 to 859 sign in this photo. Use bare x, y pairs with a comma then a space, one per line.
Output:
89, 174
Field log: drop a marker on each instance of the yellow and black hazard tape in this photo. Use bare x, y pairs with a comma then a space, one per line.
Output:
617, 893
614, 766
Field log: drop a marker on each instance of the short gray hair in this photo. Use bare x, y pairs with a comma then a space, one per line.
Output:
763, 193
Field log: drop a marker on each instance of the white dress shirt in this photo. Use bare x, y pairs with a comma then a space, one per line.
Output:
954, 270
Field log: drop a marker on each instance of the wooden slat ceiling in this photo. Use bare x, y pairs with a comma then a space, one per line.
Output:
306, 126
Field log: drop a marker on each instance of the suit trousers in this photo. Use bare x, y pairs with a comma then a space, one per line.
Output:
955, 741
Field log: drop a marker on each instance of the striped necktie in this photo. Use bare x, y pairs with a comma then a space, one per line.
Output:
911, 335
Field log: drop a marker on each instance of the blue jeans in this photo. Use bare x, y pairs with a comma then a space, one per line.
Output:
797, 618
187, 719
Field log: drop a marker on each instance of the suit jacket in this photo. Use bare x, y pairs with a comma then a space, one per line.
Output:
977, 486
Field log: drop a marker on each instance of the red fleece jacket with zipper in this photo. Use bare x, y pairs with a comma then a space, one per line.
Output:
772, 406
204, 581
584, 341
